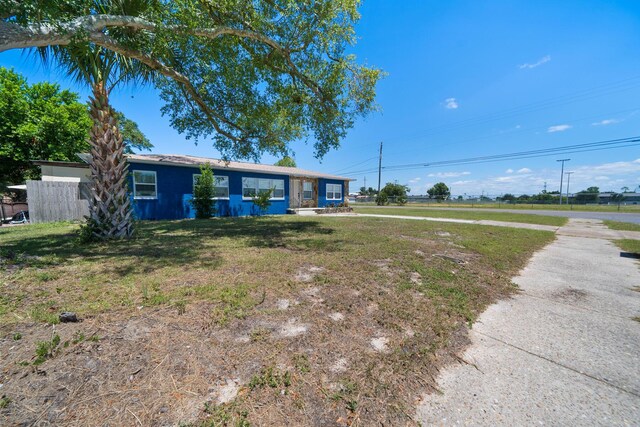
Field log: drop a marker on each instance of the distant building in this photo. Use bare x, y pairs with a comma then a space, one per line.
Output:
628, 198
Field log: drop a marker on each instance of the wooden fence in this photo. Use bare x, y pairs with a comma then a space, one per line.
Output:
57, 201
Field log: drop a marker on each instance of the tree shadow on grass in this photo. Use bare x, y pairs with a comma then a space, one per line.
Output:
160, 244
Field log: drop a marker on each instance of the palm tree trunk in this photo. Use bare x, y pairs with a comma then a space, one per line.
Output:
110, 207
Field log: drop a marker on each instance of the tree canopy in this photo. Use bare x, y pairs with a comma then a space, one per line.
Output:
251, 76
590, 195
368, 191
395, 192
39, 121
439, 191
286, 161
43, 122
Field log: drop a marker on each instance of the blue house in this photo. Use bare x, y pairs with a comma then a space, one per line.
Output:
162, 185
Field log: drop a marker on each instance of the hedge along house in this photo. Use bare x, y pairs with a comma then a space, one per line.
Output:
162, 185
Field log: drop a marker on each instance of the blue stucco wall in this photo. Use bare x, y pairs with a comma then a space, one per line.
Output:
322, 192
175, 188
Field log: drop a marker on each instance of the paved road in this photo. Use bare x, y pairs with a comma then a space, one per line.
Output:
613, 216
563, 352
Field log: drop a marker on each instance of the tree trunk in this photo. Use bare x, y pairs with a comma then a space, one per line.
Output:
110, 207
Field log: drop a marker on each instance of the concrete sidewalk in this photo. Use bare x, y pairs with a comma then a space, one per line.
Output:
563, 351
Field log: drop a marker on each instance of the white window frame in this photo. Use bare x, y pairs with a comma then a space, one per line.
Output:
333, 191
258, 180
306, 191
215, 178
155, 185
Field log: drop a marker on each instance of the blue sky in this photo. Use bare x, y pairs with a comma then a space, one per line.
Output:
465, 79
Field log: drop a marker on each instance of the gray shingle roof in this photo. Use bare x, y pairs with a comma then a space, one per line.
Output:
193, 161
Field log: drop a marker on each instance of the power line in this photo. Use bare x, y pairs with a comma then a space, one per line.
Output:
453, 163
576, 148
346, 168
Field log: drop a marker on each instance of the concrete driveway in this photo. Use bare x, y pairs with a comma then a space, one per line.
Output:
564, 351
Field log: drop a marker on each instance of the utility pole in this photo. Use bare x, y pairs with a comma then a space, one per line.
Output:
365, 183
545, 188
568, 181
380, 168
562, 175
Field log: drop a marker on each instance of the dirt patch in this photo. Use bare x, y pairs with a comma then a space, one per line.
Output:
283, 304
380, 344
307, 273
336, 317
415, 277
227, 392
340, 365
293, 328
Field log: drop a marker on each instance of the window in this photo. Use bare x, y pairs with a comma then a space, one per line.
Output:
334, 191
252, 186
220, 186
278, 189
144, 185
307, 190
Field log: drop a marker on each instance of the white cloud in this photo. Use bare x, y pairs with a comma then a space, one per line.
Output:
450, 103
524, 170
558, 128
509, 171
607, 176
617, 168
606, 122
449, 174
414, 180
542, 60
505, 179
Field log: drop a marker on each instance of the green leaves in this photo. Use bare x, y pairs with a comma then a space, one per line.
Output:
250, 76
203, 193
39, 122
439, 191
43, 122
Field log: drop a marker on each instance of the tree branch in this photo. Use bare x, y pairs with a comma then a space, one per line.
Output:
104, 41
13, 36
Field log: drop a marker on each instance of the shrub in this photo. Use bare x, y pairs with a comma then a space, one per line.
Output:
263, 200
203, 193
396, 193
382, 199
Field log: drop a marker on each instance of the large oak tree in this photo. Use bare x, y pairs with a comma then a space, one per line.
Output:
252, 76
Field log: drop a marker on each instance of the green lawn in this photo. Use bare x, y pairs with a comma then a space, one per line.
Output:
629, 245
625, 226
524, 206
462, 214
290, 306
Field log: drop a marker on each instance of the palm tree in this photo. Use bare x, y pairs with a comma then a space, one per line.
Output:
110, 210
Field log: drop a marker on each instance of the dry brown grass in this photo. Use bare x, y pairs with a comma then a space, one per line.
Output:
192, 306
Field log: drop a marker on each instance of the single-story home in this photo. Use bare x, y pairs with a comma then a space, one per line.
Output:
162, 185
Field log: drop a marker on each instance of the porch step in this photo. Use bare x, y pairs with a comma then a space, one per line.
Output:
305, 211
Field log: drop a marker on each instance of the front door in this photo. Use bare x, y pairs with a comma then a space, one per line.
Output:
295, 193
